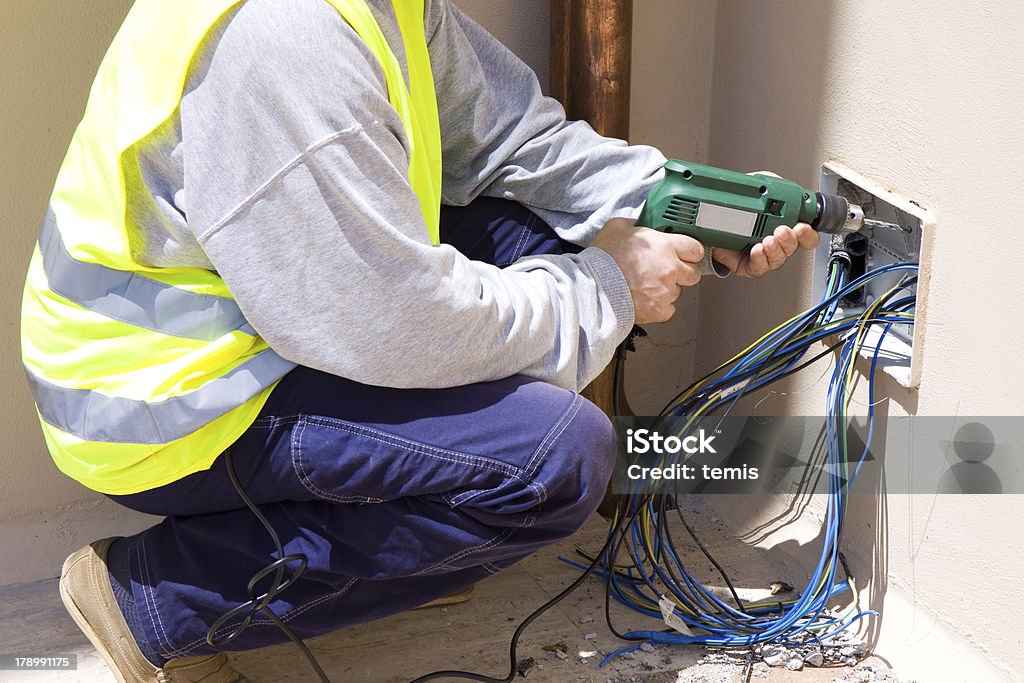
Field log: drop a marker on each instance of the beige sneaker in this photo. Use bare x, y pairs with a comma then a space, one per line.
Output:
88, 597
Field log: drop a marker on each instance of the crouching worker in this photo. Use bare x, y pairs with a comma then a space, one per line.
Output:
345, 252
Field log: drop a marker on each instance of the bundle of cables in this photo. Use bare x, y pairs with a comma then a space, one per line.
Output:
641, 564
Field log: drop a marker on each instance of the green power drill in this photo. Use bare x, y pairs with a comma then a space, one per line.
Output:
721, 208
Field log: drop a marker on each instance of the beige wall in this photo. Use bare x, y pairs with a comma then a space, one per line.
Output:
925, 99
49, 52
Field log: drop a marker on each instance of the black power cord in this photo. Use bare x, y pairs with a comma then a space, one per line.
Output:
618, 385
260, 603
513, 645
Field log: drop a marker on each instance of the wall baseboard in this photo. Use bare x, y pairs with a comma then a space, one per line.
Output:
35, 545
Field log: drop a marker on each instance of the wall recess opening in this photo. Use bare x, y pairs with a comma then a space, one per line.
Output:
908, 239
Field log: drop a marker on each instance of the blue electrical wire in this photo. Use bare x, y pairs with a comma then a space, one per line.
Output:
657, 567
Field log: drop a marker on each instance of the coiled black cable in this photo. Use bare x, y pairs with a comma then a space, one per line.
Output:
261, 603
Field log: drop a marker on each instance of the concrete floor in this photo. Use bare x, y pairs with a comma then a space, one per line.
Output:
473, 635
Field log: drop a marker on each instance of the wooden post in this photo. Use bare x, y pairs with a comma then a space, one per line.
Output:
591, 48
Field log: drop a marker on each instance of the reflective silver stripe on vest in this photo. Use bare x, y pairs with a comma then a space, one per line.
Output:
92, 416
134, 299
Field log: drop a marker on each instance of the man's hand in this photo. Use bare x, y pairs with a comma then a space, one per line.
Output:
656, 265
770, 253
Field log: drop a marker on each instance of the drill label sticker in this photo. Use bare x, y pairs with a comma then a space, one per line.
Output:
726, 219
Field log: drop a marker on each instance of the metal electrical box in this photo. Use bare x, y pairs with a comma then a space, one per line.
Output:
877, 247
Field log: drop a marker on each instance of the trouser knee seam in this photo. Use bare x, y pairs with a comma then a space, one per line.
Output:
528, 521
560, 425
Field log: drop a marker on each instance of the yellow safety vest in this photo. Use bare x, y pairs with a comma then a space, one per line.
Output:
143, 375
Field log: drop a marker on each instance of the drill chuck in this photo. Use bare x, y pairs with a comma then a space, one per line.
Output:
832, 213
836, 214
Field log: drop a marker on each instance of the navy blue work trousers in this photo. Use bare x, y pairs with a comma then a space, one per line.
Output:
395, 496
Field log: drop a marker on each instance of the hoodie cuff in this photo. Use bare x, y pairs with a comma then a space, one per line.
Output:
709, 266
612, 284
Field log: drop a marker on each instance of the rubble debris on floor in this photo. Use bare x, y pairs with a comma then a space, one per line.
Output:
869, 673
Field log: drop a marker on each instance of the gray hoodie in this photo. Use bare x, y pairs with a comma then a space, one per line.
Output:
285, 171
